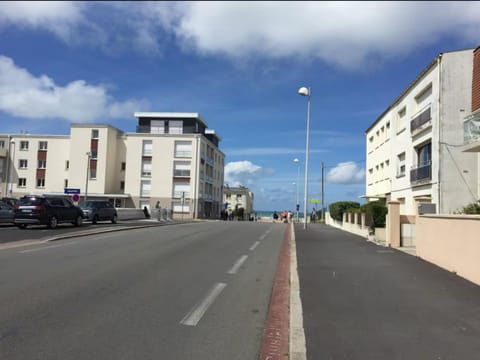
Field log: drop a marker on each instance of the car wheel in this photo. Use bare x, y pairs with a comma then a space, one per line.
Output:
95, 219
114, 219
52, 222
22, 226
78, 221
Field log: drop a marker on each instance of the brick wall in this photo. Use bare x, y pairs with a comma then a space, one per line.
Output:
476, 80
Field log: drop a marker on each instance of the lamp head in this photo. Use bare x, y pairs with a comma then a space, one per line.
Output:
296, 160
304, 91
12, 141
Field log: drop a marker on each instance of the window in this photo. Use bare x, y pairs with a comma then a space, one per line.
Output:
65, 183
401, 116
183, 149
22, 182
42, 164
146, 167
93, 154
122, 185
93, 173
94, 133
175, 127
24, 145
423, 95
157, 127
145, 188
123, 166
181, 169
178, 208
147, 148
401, 165
40, 182
23, 163
2, 144
42, 145
67, 165
181, 189
424, 155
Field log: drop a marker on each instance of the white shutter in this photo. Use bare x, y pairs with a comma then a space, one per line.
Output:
175, 127
157, 127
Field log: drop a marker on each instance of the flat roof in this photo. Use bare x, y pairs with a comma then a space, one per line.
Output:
171, 115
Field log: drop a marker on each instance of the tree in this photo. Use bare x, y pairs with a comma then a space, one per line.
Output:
337, 209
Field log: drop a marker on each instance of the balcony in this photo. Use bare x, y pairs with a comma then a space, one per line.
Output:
143, 129
181, 173
421, 174
421, 122
471, 131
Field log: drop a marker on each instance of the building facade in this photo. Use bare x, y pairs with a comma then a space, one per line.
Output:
471, 123
172, 161
413, 150
235, 198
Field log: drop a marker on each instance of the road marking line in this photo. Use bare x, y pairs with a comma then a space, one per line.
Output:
253, 247
46, 247
197, 312
237, 265
262, 237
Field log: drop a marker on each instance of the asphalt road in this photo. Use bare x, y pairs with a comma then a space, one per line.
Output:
10, 233
366, 302
190, 291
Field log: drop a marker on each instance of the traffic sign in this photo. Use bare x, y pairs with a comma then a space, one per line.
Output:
71, 191
76, 197
314, 201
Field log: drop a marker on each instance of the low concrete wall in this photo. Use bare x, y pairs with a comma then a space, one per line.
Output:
451, 242
130, 214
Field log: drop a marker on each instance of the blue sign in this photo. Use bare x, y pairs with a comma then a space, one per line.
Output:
71, 191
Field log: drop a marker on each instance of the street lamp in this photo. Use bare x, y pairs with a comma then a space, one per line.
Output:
12, 166
303, 91
89, 154
297, 205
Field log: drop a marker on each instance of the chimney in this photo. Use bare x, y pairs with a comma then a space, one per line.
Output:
476, 80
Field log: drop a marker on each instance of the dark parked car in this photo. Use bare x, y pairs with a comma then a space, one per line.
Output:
6, 213
50, 211
10, 201
96, 210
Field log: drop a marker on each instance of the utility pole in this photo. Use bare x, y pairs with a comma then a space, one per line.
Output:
323, 208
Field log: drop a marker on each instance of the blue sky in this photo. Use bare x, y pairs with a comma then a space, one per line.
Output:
238, 64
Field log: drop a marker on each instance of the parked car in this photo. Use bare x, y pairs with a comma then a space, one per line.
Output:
6, 213
10, 201
96, 210
50, 211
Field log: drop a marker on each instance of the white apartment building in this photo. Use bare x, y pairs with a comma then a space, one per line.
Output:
238, 197
172, 161
414, 149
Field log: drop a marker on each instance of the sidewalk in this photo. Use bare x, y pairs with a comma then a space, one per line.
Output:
364, 301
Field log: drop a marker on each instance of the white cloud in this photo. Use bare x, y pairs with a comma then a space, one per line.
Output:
344, 33
25, 95
55, 16
348, 34
346, 173
243, 173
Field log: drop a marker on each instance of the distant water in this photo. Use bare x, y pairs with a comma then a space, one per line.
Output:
269, 214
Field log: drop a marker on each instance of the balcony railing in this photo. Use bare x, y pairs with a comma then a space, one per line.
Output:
420, 120
181, 173
471, 128
421, 173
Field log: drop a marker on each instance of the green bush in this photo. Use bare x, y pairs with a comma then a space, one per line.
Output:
472, 209
378, 212
337, 209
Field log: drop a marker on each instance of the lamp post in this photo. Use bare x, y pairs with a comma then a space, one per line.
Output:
89, 154
297, 205
12, 166
303, 91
